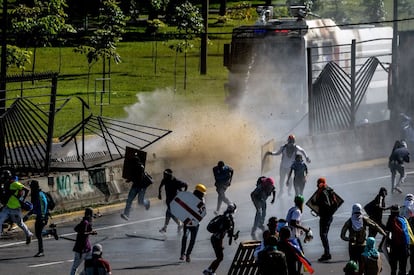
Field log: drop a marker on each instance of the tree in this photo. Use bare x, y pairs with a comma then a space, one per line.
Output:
17, 57
153, 27
39, 25
374, 10
189, 24
102, 44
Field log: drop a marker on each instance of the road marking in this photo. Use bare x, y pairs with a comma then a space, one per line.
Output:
51, 263
97, 229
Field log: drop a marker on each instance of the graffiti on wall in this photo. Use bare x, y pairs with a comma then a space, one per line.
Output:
98, 179
73, 184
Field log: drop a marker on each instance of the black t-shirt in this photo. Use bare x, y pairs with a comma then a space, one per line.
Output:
172, 186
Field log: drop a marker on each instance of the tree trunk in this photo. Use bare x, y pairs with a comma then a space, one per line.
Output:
185, 70
175, 71
223, 7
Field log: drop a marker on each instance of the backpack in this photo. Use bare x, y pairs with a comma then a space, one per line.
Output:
218, 224
5, 193
50, 201
272, 262
147, 180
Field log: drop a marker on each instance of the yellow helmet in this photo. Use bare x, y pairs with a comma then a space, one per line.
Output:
201, 187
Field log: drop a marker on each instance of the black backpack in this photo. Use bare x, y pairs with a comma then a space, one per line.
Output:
50, 201
272, 262
218, 224
147, 180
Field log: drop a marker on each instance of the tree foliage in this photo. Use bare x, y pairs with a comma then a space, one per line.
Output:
189, 22
38, 26
374, 10
102, 44
17, 57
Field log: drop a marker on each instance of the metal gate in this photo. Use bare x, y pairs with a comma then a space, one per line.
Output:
337, 93
27, 130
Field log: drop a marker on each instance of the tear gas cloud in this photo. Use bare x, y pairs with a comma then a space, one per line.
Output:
202, 135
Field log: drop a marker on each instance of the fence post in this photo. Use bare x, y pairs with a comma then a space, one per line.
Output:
353, 77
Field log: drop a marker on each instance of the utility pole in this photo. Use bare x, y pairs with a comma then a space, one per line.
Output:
204, 38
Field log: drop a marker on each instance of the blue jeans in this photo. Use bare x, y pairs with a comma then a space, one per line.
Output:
259, 219
133, 192
15, 216
79, 258
221, 191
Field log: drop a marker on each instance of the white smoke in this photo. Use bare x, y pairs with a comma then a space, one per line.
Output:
202, 134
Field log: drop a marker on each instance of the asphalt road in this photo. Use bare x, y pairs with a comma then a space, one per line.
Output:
154, 253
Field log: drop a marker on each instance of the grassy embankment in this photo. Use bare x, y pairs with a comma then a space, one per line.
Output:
140, 71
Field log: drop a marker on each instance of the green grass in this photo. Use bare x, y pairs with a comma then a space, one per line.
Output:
145, 67
135, 74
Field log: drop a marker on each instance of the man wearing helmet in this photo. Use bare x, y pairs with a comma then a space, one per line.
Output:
12, 209
294, 217
288, 152
199, 192
226, 227
264, 188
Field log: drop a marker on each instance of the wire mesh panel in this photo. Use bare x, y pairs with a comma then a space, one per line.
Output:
27, 129
349, 87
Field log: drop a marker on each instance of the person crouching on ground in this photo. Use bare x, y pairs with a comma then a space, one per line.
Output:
97, 264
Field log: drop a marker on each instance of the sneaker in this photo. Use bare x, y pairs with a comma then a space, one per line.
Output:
182, 258
207, 271
147, 205
39, 254
180, 228
188, 259
398, 189
125, 217
55, 234
325, 257
163, 230
28, 239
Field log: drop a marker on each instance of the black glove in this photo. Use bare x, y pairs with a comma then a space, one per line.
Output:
25, 218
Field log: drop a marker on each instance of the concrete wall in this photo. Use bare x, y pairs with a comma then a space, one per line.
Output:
73, 190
